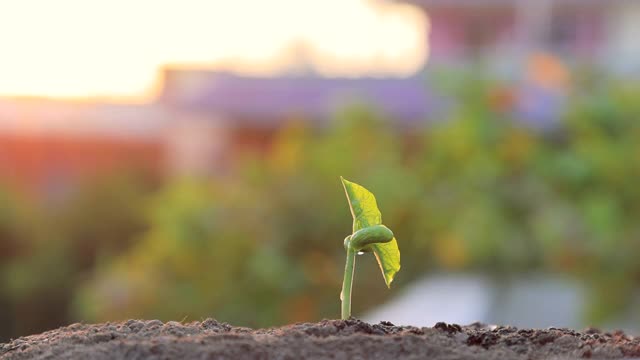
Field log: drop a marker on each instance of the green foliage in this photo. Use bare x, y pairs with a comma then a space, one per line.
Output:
48, 249
475, 191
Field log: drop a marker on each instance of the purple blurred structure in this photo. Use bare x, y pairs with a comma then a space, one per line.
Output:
269, 101
243, 113
504, 32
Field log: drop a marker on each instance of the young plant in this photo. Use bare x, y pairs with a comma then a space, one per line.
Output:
369, 235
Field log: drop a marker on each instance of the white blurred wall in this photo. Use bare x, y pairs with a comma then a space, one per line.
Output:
535, 301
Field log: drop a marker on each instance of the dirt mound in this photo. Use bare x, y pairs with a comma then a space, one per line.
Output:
328, 339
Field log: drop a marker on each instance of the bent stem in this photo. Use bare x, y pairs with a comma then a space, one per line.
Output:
347, 283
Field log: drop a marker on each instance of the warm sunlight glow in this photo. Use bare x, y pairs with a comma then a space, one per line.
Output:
96, 48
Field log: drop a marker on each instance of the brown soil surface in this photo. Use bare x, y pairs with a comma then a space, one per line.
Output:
328, 339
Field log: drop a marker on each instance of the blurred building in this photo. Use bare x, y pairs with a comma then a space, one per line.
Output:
202, 118
51, 146
502, 33
267, 101
200, 121
243, 113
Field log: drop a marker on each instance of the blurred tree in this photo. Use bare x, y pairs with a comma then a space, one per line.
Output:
481, 193
46, 250
478, 191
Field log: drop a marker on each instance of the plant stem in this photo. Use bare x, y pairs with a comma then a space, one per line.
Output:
345, 295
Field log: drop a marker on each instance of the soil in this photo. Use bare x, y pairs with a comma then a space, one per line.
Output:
328, 339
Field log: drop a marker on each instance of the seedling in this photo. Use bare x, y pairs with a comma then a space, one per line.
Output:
369, 235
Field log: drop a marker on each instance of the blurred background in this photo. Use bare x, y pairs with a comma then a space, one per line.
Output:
181, 160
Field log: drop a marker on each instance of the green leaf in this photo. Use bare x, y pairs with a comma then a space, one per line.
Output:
364, 209
388, 256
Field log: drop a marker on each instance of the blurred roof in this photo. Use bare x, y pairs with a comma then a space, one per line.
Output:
59, 117
262, 100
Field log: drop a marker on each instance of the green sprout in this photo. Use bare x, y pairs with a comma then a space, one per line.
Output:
369, 235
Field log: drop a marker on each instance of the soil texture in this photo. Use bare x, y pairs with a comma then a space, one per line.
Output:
328, 339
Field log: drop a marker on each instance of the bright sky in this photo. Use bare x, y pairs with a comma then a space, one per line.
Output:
115, 48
